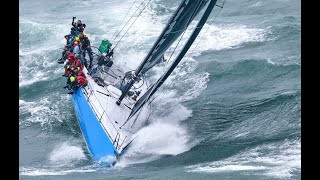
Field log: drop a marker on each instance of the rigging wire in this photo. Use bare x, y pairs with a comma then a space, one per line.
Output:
192, 51
183, 32
175, 50
208, 28
176, 46
123, 20
172, 54
131, 24
130, 19
137, 37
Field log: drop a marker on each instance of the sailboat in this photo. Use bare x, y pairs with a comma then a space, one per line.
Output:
107, 115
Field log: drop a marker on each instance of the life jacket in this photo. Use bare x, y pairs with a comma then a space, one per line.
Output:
78, 63
76, 38
69, 69
81, 81
70, 58
70, 38
72, 78
72, 81
80, 73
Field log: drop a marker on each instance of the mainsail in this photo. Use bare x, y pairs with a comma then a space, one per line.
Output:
139, 104
155, 86
176, 26
178, 23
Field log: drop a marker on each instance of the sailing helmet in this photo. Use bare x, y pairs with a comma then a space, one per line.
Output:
72, 78
76, 38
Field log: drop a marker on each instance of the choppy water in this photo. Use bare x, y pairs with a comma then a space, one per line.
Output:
231, 110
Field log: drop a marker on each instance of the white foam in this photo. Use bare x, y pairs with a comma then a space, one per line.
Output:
274, 160
156, 140
226, 168
43, 111
66, 155
39, 50
50, 172
108, 160
176, 114
37, 42
45, 35
256, 4
31, 81
226, 36
185, 76
269, 61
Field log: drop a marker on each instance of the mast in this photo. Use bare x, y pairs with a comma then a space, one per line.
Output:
177, 24
161, 80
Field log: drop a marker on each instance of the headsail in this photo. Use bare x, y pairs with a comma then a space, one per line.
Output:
178, 23
175, 27
193, 36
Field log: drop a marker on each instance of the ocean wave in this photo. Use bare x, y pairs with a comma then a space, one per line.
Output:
277, 160
43, 111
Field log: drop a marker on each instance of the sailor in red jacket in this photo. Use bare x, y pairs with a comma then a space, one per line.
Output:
69, 65
78, 72
82, 81
78, 62
68, 70
70, 58
74, 82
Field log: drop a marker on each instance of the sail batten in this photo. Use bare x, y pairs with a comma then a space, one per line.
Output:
139, 104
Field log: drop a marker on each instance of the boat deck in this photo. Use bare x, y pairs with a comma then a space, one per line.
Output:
101, 93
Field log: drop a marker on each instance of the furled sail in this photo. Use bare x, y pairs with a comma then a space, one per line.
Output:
139, 104
178, 23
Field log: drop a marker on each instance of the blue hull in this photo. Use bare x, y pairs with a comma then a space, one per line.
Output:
98, 142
